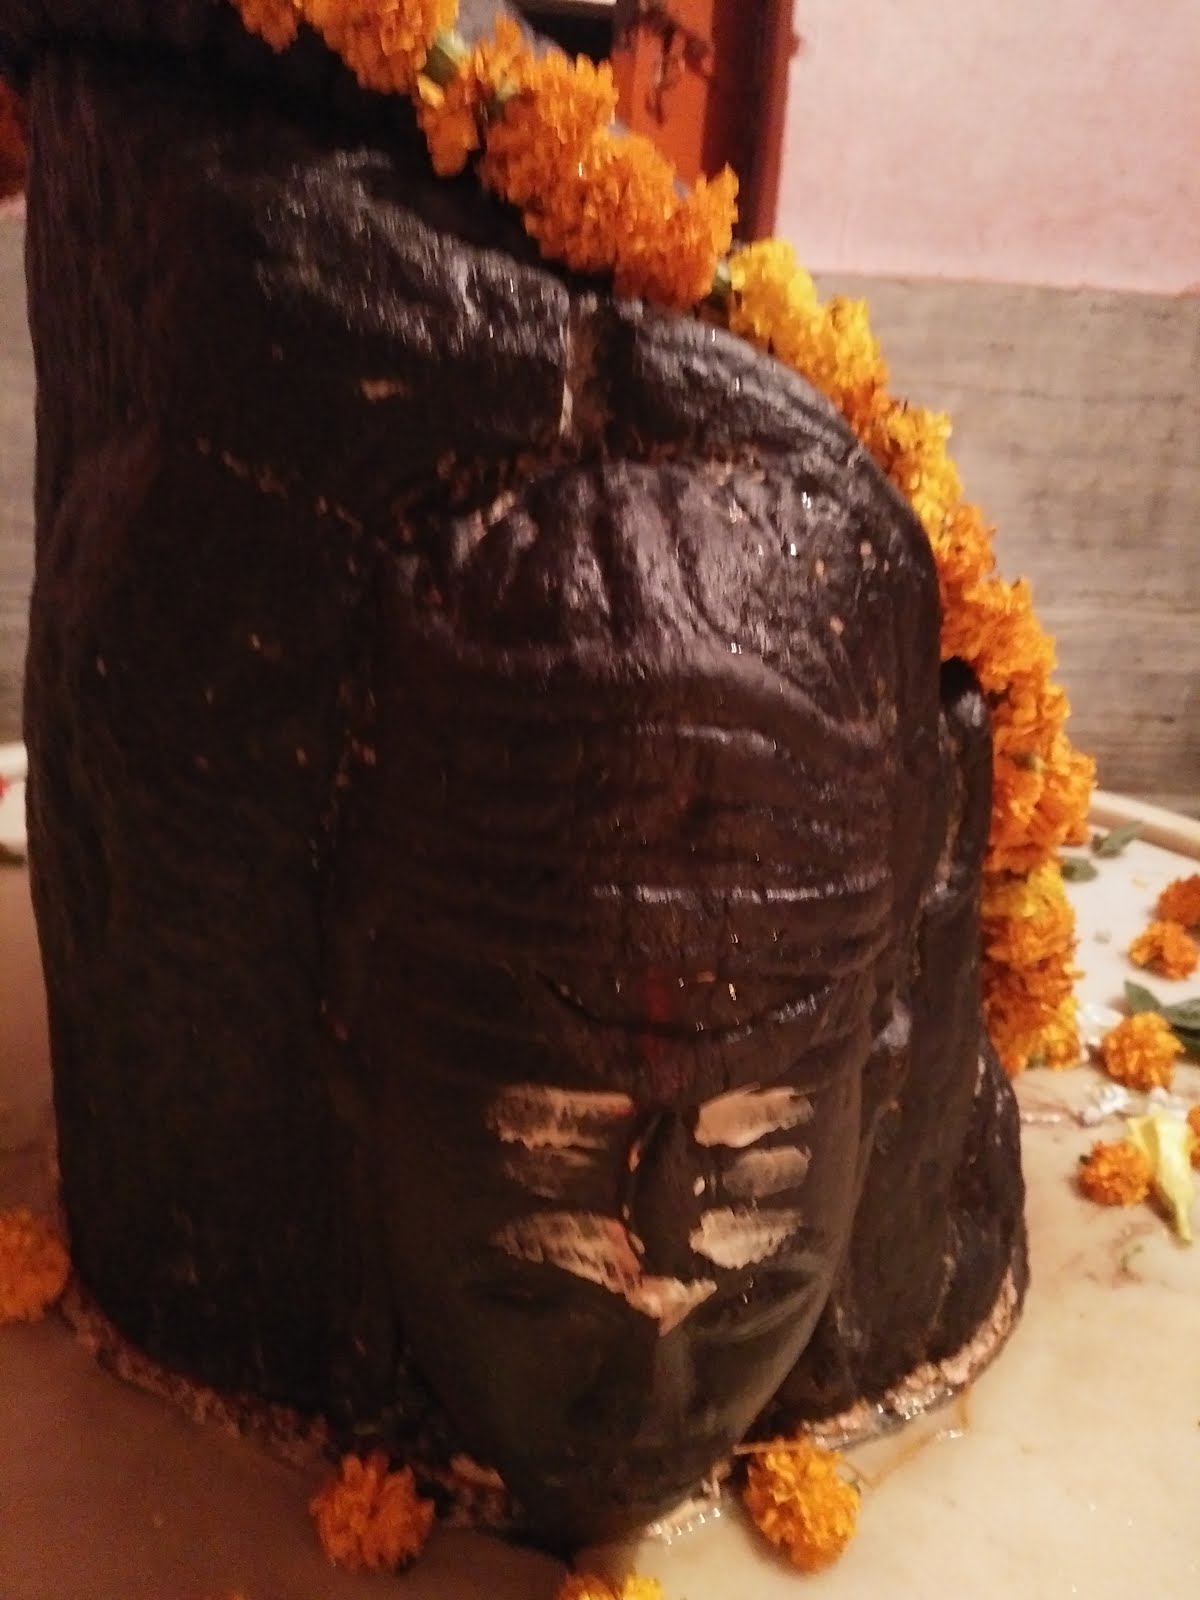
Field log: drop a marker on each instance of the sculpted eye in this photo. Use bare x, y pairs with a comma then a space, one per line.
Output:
531, 1296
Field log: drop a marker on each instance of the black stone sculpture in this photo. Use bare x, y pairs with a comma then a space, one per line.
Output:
505, 849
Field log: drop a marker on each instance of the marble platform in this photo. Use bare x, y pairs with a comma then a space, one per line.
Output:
1070, 1468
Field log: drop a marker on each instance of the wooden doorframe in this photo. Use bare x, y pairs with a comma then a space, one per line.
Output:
731, 108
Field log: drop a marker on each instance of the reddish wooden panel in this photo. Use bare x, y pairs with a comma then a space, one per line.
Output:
690, 77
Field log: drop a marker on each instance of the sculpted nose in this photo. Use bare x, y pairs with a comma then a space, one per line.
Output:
662, 1195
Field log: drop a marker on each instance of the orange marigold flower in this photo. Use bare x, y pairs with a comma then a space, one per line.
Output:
454, 115
668, 244
383, 42
276, 21
582, 1586
1115, 1174
449, 119
33, 1266
554, 109
1020, 1009
596, 200
1140, 1052
797, 1496
369, 1519
1193, 1118
1166, 948
1180, 901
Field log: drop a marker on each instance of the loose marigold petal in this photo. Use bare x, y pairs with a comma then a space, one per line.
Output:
33, 1266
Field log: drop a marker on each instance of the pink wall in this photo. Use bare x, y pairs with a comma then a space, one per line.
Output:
1031, 141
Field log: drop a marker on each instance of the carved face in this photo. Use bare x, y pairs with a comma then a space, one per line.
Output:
613, 1291
622, 979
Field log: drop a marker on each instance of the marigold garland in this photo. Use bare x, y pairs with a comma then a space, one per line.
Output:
33, 1266
798, 1498
369, 1519
1193, 1121
599, 201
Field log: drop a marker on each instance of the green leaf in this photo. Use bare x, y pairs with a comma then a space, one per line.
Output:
1183, 1017
1140, 999
1184, 1014
1078, 869
1112, 844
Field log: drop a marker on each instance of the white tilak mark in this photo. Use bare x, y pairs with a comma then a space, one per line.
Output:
745, 1116
741, 1237
600, 1250
548, 1173
542, 1118
762, 1172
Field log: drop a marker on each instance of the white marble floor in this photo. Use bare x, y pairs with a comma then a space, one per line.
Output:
1070, 1468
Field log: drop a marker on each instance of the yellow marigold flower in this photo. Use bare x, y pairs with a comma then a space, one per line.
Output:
369, 1519
276, 21
774, 305
772, 294
1166, 948
797, 1496
1028, 939
33, 1266
1193, 1118
581, 1586
1140, 1052
1180, 901
1059, 1042
1115, 1174
1026, 920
